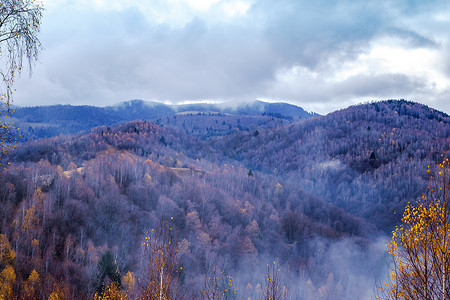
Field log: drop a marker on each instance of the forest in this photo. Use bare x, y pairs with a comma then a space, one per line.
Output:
48, 121
308, 201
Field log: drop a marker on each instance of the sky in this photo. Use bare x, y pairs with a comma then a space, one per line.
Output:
322, 55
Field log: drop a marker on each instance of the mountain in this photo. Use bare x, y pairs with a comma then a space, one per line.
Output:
281, 110
318, 195
48, 121
368, 159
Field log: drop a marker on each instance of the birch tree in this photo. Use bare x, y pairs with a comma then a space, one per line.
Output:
420, 245
162, 268
19, 42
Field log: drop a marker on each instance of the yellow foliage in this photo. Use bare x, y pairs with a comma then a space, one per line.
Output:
218, 286
8, 274
163, 270
35, 243
30, 220
7, 254
30, 286
420, 246
111, 292
55, 296
34, 277
129, 281
278, 188
59, 292
273, 289
148, 178
7, 280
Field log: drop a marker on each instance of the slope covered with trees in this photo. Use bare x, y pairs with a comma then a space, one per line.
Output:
368, 159
48, 121
104, 190
311, 195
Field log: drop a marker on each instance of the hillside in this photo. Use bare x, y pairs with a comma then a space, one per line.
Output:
368, 159
106, 188
314, 195
47, 121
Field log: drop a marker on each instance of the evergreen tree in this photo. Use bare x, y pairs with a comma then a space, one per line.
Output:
107, 266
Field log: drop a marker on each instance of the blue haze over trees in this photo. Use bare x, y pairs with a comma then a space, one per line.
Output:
322, 194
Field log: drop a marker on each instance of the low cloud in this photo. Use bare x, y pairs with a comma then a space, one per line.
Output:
102, 54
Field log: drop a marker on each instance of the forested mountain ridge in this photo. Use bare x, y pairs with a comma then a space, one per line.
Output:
360, 158
48, 121
311, 195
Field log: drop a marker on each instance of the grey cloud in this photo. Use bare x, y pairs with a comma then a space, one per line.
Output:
308, 32
322, 96
101, 57
382, 85
413, 39
445, 67
195, 61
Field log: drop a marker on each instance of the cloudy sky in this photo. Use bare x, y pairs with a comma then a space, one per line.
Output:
322, 55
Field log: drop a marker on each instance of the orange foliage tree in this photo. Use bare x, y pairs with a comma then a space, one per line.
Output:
420, 245
111, 292
7, 273
7, 281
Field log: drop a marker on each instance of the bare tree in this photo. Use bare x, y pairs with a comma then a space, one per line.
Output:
218, 286
274, 290
19, 27
162, 273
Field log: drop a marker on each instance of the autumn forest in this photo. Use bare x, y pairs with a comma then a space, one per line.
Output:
231, 200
